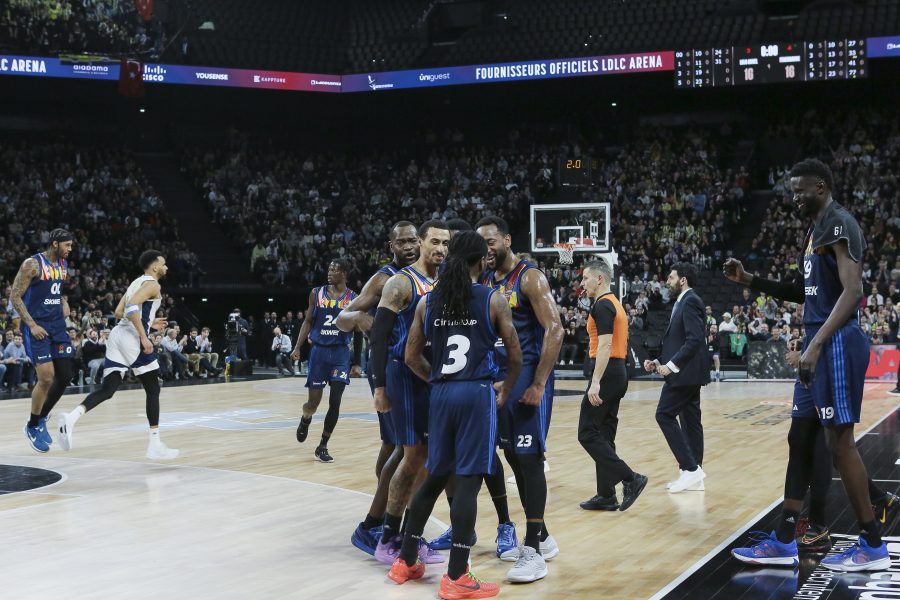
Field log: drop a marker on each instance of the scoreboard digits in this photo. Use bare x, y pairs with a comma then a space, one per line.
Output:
771, 63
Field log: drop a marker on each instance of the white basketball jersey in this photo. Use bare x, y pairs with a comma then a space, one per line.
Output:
148, 308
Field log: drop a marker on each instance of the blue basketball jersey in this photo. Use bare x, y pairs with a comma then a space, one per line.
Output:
822, 285
462, 349
421, 285
324, 331
531, 334
390, 270
43, 298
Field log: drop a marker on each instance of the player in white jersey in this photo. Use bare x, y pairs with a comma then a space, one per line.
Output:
129, 347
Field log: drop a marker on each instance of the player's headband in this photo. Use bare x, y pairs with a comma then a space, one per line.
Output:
61, 235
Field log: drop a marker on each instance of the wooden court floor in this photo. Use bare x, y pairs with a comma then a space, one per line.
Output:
246, 512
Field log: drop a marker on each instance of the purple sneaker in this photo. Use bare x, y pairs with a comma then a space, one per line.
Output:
388, 553
429, 556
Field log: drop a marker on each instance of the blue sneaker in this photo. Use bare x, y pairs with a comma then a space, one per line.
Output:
45, 433
507, 542
860, 557
445, 540
366, 539
768, 551
36, 438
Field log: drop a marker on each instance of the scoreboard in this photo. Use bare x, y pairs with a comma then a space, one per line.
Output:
771, 63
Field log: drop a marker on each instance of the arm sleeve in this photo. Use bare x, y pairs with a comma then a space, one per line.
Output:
604, 314
381, 332
792, 291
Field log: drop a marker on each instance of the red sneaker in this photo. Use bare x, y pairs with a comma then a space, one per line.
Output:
402, 572
467, 586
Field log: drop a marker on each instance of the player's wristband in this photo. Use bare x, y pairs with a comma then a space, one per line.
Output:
381, 331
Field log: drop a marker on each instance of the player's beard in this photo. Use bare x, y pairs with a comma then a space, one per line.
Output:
500, 257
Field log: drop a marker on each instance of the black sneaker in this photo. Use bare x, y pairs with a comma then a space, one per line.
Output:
886, 509
303, 429
895, 391
601, 503
322, 454
812, 538
632, 489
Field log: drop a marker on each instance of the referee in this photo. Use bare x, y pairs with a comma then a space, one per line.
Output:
608, 330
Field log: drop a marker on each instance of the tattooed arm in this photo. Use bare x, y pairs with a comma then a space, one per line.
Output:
27, 272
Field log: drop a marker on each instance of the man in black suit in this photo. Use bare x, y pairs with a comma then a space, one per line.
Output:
684, 363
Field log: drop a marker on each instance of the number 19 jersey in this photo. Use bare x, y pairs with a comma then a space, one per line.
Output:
462, 349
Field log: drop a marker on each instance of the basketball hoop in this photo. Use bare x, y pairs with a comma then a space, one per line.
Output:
566, 253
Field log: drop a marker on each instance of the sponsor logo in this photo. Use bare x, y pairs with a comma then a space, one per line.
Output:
155, 73
90, 70
23, 65
432, 77
268, 79
373, 83
463, 322
321, 82
811, 290
212, 76
892, 46
329, 332
52, 302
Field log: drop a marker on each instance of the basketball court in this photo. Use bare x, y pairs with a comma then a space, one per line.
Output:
247, 512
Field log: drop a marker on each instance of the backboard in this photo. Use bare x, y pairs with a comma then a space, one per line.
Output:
586, 225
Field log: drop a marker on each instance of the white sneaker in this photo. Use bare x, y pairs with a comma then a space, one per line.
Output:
159, 451
697, 487
671, 483
687, 479
529, 567
66, 424
549, 550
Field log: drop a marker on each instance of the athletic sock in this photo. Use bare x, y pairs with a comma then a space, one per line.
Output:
787, 526
372, 522
409, 549
502, 507
391, 527
404, 522
533, 534
323, 443
459, 561
33, 420
870, 532
154, 435
78, 412
544, 533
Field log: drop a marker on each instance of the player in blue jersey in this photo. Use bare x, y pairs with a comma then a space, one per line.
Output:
398, 392
329, 358
37, 296
403, 241
129, 349
832, 371
462, 321
524, 421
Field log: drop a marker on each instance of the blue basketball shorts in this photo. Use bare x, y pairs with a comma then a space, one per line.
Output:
462, 428
522, 428
409, 404
328, 364
55, 345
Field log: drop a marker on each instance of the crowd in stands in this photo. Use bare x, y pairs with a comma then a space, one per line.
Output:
75, 26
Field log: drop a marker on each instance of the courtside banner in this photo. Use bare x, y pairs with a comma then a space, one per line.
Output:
884, 47
640, 62
41, 66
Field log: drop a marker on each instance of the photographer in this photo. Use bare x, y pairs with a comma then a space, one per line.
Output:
281, 346
236, 330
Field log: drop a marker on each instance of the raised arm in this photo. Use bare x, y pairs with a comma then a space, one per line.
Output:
415, 345
792, 291
306, 327
356, 315
26, 273
501, 316
537, 290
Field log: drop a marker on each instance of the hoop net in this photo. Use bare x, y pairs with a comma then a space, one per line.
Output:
566, 253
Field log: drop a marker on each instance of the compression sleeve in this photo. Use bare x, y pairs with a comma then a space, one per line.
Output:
357, 347
381, 332
792, 291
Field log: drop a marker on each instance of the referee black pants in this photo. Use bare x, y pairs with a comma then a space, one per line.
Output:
597, 427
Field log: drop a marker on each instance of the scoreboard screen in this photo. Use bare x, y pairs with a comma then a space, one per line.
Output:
771, 63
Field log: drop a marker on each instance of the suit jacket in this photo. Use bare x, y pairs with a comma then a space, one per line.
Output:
685, 342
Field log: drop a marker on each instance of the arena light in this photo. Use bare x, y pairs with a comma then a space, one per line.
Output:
271, 299
203, 300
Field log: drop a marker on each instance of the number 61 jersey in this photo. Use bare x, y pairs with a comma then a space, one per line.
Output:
462, 349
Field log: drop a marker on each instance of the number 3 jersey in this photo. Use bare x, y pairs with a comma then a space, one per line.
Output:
462, 349
822, 285
325, 313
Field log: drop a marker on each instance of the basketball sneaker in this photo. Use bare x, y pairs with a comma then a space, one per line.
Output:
388, 552
428, 555
66, 426
445, 540
507, 543
42, 426
549, 550
366, 539
159, 451
859, 557
812, 537
466, 586
303, 429
886, 509
322, 455
36, 438
632, 489
687, 479
601, 503
530, 566
671, 483
768, 551
401, 572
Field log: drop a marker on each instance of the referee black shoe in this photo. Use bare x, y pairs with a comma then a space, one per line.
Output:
322, 455
632, 489
601, 503
303, 429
